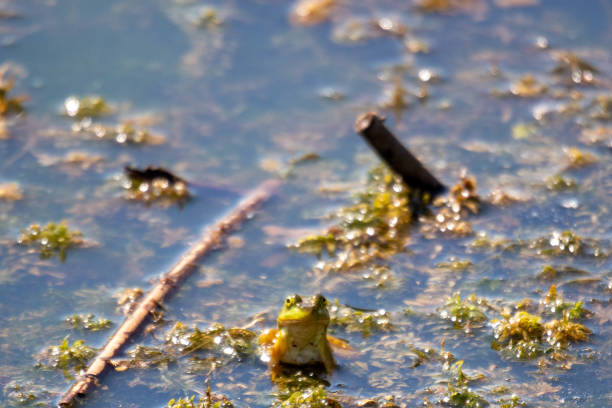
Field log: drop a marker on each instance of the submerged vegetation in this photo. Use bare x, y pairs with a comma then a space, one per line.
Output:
87, 107
206, 349
312, 397
465, 313
125, 132
208, 401
355, 320
374, 228
70, 358
51, 239
459, 393
202, 403
524, 335
9, 104
88, 322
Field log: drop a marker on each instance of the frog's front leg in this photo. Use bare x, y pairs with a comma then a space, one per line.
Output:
326, 355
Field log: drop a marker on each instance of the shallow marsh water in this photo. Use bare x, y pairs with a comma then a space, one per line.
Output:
236, 104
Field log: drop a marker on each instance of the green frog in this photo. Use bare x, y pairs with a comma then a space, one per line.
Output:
301, 337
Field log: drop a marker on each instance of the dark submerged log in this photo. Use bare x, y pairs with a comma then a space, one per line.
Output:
372, 128
211, 238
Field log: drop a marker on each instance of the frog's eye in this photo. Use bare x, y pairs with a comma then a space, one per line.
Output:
292, 300
320, 302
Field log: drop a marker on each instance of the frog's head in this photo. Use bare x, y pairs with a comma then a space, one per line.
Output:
310, 310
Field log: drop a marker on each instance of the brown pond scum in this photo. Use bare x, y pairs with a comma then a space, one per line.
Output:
9, 104
155, 185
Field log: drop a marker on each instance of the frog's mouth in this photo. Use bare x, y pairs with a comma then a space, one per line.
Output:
323, 321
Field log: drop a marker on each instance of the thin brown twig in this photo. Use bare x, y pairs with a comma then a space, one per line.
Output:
210, 240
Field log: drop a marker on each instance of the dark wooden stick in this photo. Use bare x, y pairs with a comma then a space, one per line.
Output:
371, 127
210, 239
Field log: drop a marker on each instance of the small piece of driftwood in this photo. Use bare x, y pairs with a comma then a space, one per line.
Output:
211, 239
371, 127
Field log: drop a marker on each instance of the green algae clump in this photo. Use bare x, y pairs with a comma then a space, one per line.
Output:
312, 397
189, 341
513, 401
463, 313
554, 304
525, 336
459, 393
559, 183
559, 333
67, 357
202, 403
51, 239
373, 228
86, 107
565, 243
88, 322
357, 320
125, 133
520, 334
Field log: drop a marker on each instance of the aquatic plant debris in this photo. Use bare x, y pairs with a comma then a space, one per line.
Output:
87, 107
231, 341
465, 313
10, 192
573, 69
207, 348
127, 299
207, 401
377, 226
67, 357
524, 335
527, 87
51, 239
451, 212
459, 393
310, 12
371, 229
556, 243
155, 184
355, 320
312, 397
208, 17
202, 403
9, 104
125, 133
88, 322
27, 394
